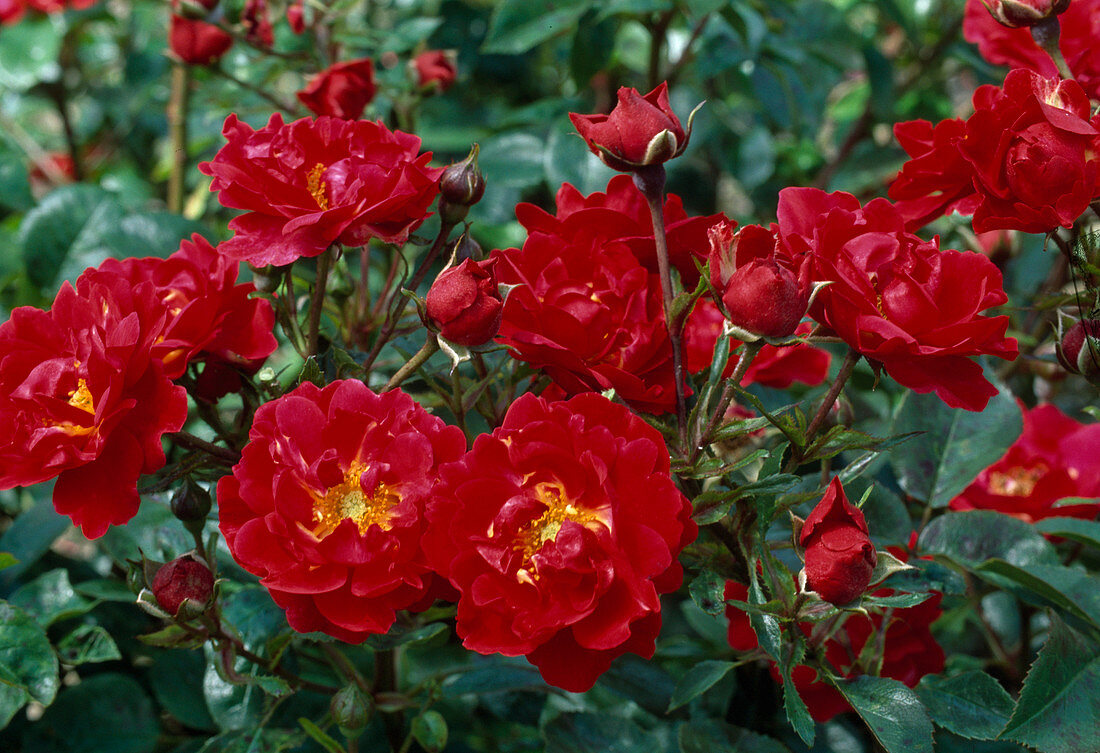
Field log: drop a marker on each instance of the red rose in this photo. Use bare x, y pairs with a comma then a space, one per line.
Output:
901, 638
896, 299
622, 214
1054, 458
1079, 349
760, 293
309, 184
560, 531
436, 69
83, 399
778, 367
182, 579
1080, 28
640, 131
257, 23
326, 504
196, 42
1027, 159
342, 90
210, 317
839, 555
464, 304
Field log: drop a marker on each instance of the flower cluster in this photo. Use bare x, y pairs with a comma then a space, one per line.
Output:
1027, 159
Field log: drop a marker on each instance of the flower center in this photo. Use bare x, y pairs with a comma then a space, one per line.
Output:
535, 534
81, 397
348, 501
317, 186
1016, 482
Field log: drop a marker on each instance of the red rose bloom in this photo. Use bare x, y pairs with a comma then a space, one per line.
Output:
83, 398
1080, 28
342, 90
839, 554
326, 504
1054, 458
464, 303
907, 649
560, 531
308, 184
1027, 159
435, 68
196, 42
640, 131
896, 299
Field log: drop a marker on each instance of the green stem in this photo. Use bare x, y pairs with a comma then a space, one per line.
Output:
178, 108
431, 345
728, 391
316, 304
1046, 36
191, 442
850, 361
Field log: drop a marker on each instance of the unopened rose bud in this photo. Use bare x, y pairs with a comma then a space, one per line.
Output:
181, 580
460, 187
1025, 13
839, 555
197, 42
435, 69
351, 710
467, 248
191, 503
1079, 349
464, 303
296, 16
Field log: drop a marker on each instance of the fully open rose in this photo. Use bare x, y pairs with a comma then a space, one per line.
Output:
561, 530
326, 504
311, 183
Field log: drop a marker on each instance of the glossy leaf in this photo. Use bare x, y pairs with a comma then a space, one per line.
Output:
971, 704
892, 711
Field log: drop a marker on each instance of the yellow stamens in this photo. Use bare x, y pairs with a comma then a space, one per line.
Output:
534, 535
348, 501
1016, 482
317, 186
81, 397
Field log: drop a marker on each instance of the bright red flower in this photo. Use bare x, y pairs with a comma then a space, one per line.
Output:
1080, 28
210, 317
839, 554
464, 303
257, 23
296, 16
182, 579
640, 131
342, 90
326, 504
560, 531
907, 649
197, 42
896, 299
83, 398
435, 68
308, 184
1055, 457
11, 11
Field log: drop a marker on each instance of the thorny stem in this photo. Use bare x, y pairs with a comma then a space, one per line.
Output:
191, 442
850, 361
650, 180
395, 314
316, 304
728, 391
178, 107
431, 345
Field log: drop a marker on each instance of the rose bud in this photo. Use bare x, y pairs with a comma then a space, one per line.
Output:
460, 187
1023, 13
197, 42
296, 16
257, 23
760, 296
1079, 349
640, 131
464, 303
182, 579
435, 69
342, 90
839, 555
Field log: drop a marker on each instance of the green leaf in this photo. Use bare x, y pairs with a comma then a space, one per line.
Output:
430, 730
50, 597
797, 712
1082, 531
255, 741
88, 644
972, 704
842, 439
29, 537
1060, 700
323, 738
107, 713
171, 636
1074, 591
593, 43
714, 736
30, 55
518, 25
574, 732
955, 447
69, 217
712, 506
892, 711
176, 680
512, 160
497, 677
400, 636
27, 662
698, 680
232, 707
7, 560
708, 591
972, 537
